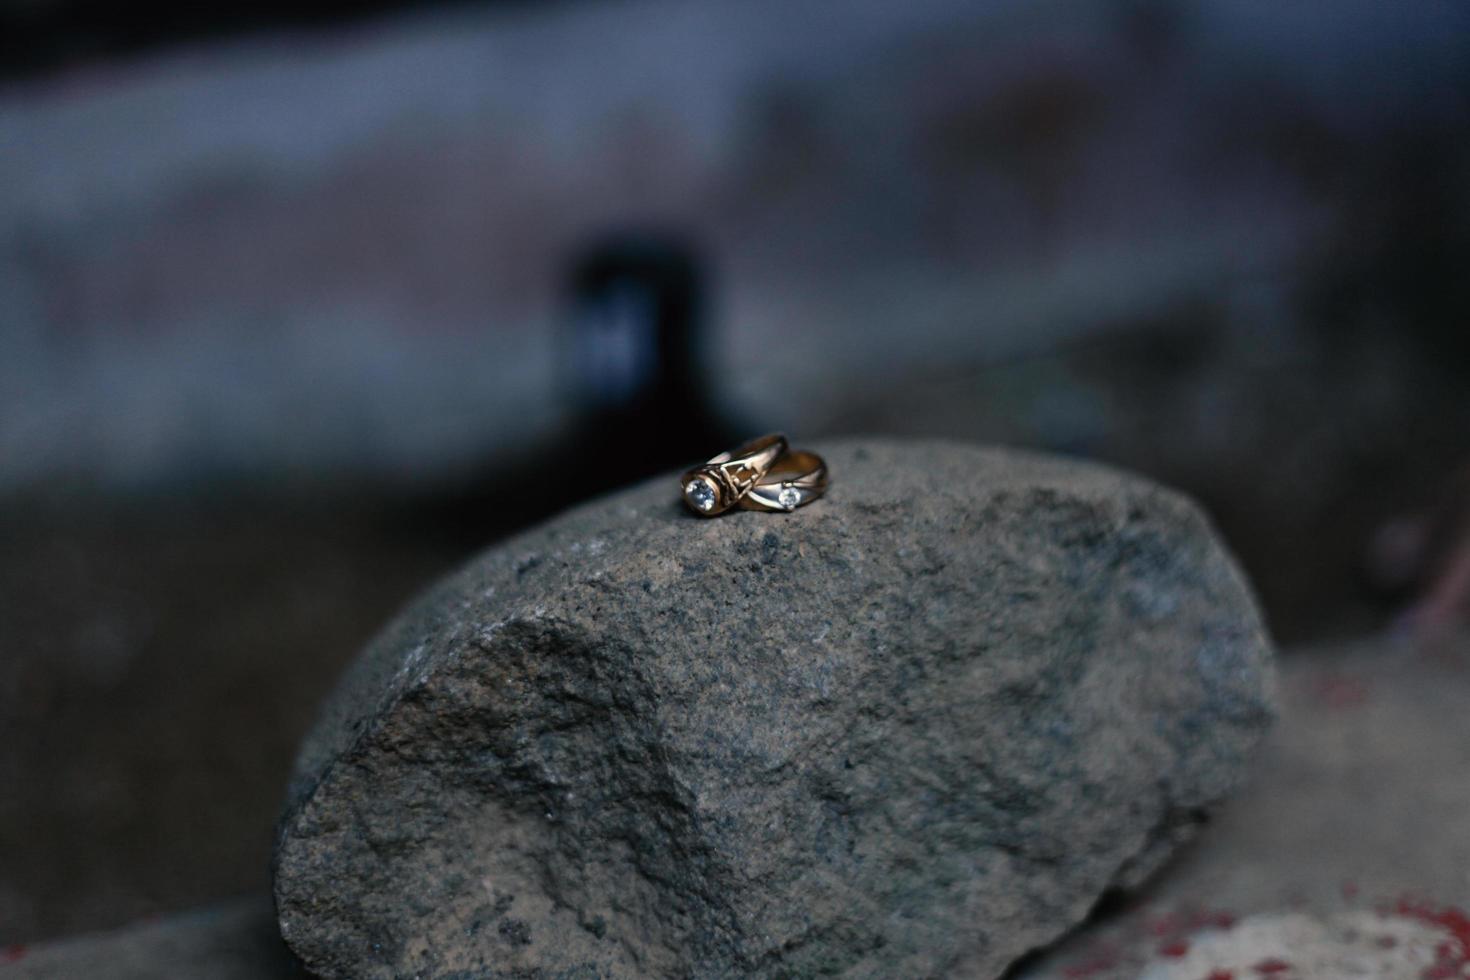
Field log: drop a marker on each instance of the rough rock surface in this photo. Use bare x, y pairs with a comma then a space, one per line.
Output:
914, 729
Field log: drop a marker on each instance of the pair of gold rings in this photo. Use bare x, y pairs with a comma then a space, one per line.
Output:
763, 474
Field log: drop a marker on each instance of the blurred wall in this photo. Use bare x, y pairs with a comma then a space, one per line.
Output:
340, 255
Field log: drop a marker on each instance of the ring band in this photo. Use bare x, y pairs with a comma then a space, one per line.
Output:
794, 480
720, 483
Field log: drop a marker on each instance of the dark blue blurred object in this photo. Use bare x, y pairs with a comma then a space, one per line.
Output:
632, 365
633, 356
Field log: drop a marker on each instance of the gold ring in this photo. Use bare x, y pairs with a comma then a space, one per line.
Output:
794, 480
719, 484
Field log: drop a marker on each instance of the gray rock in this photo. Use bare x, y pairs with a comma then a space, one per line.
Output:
914, 729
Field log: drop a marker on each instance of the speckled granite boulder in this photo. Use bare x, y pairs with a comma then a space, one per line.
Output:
914, 729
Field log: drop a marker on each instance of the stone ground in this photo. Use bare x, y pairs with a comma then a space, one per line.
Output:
232, 941
1353, 826
1350, 846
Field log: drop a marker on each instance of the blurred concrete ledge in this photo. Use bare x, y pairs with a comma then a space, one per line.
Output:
303, 256
235, 940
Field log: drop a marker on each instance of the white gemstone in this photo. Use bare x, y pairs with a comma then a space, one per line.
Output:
700, 494
789, 497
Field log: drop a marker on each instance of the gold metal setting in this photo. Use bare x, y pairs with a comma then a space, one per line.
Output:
764, 474
719, 484
794, 480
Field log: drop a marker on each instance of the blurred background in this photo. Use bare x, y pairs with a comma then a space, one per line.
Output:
302, 304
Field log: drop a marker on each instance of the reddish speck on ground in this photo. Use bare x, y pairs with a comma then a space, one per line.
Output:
1171, 932
1189, 921
1341, 691
1220, 975
1452, 957
1271, 967
1098, 960
12, 953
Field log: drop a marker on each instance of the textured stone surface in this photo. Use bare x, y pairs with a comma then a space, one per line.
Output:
1400, 942
914, 729
1295, 946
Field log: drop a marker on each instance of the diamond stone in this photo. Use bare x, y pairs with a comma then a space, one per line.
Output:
700, 494
789, 497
